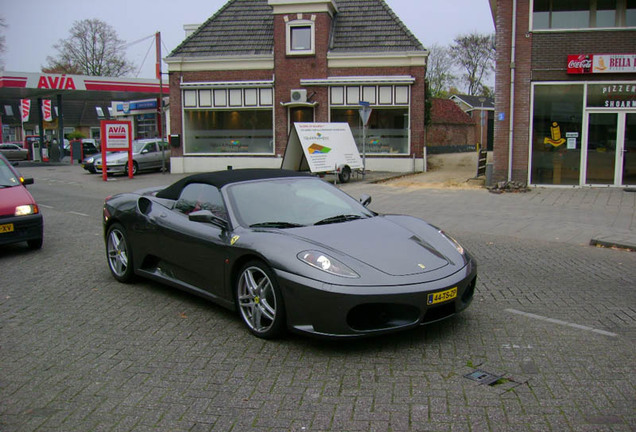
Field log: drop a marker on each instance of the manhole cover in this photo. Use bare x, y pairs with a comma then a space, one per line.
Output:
483, 377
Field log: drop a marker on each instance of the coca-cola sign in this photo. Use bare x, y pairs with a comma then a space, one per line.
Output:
580, 64
601, 63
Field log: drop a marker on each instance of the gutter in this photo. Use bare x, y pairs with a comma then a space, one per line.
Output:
512, 88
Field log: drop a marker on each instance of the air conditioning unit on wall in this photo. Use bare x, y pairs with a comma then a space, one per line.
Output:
298, 95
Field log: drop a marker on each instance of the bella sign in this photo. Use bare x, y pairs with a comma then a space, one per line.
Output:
601, 63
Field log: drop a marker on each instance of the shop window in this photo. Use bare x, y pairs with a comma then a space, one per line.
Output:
301, 37
387, 132
581, 14
556, 134
228, 132
630, 14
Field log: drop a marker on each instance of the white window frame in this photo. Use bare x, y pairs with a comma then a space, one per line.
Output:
290, 25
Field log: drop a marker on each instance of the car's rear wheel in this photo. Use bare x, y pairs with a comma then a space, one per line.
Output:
119, 254
259, 301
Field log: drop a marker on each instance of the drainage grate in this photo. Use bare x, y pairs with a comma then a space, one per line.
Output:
483, 377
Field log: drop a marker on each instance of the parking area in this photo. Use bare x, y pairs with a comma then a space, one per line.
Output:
547, 345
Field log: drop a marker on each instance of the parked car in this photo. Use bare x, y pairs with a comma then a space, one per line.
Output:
147, 155
14, 151
289, 251
88, 163
20, 217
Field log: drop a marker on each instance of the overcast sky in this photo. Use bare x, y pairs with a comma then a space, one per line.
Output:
34, 26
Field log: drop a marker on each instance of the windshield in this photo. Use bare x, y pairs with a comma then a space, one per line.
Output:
7, 176
288, 203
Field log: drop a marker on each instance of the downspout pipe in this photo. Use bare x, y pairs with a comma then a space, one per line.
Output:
511, 113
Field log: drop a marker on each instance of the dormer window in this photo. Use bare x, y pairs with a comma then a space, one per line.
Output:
301, 37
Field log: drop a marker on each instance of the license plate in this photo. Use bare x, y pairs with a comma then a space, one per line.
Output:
6, 228
441, 296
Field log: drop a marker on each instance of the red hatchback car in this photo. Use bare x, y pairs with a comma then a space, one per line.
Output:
20, 217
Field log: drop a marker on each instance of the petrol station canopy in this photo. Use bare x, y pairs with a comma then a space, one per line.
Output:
24, 85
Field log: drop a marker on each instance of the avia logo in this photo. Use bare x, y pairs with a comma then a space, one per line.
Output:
56, 82
317, 148
116, 132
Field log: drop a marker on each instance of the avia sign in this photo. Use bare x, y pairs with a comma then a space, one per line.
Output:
57, 82
116, 136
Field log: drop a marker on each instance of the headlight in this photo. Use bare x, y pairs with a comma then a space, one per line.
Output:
25, 210
326, 263
90, 160
452, 241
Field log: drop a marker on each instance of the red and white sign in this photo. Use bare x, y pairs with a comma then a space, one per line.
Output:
46, 110
601, 63
116, 136
25, 109
80, 82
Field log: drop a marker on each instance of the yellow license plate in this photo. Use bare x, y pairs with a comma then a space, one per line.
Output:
6, 228
441, 296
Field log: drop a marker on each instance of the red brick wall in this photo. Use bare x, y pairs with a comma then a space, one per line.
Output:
523, 45
290, 69
550, 52
449, 135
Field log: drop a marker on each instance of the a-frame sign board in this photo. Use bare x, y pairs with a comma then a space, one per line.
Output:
321, 147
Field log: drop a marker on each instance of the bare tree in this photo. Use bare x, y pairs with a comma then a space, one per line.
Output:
440, 70
3, 46
92, 48
475, 54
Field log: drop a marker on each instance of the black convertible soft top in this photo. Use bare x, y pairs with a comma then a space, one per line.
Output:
222, 178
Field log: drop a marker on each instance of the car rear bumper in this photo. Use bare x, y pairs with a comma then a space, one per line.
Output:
345, 311
23, 228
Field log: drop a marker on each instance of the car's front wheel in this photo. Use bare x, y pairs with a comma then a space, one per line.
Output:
119, 254
259, 301
135, 168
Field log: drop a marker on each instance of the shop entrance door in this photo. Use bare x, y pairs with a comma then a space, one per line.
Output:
610, 157
629, 150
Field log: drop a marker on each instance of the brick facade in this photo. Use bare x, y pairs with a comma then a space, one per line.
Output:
539, 56
336, 32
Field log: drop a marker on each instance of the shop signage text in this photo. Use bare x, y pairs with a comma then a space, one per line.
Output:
56, 82
601, 63
616, 95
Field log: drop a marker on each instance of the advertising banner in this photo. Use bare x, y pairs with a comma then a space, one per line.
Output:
601, 63
46, 110
325, 147
25, 109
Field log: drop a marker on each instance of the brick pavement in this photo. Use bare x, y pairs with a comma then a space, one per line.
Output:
553, 316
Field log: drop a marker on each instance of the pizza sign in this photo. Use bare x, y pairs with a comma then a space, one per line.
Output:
601, 63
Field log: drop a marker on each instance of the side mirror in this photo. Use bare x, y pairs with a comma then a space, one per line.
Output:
27, 181
207, 216
365, 200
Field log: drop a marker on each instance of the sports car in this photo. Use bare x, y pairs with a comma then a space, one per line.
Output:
289, 251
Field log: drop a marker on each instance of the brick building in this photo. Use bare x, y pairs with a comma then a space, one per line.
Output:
240, 81
451, 130
565, 92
